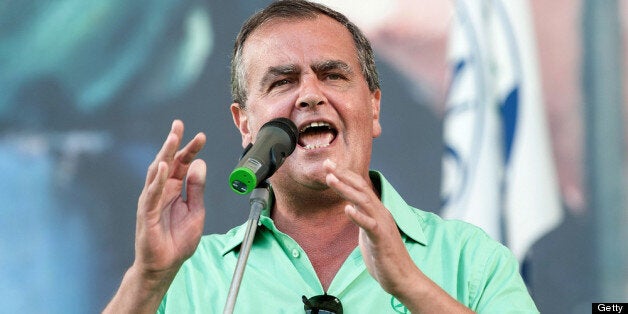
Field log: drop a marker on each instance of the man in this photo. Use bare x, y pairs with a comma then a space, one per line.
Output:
334, 228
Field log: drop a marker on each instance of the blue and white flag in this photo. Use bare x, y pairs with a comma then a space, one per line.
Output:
498, 170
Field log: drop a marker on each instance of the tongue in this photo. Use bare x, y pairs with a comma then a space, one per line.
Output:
315, 139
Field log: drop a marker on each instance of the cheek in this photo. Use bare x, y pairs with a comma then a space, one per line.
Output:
266, 107
261, 113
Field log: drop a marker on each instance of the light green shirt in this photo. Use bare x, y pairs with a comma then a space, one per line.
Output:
474, 269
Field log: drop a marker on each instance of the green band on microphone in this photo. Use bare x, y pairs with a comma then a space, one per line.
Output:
243, 180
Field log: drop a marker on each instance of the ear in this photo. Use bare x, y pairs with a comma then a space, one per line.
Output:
376, 97
241, 121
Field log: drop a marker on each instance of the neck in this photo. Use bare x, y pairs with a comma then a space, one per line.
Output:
321, 228
317, 215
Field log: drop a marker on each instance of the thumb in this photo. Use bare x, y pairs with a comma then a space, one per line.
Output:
196, 177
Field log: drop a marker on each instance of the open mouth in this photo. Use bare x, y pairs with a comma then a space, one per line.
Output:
317, 135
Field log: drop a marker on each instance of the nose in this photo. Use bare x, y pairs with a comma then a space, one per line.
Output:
310, 94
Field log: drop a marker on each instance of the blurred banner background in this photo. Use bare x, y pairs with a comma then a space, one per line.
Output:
516, 91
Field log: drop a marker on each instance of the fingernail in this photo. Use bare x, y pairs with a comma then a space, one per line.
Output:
330, 163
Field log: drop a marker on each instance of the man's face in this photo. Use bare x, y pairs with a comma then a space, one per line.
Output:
308, 71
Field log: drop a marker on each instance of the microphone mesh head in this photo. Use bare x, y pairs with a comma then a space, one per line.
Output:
288, 126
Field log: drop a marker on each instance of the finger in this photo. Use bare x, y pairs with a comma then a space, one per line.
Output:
184, 157
196, 179
169, 145
178, 127
345, 175
150, 202
363, 221
351, 187
345, 190
167, 151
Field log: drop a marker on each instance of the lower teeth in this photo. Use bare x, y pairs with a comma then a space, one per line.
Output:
316, 146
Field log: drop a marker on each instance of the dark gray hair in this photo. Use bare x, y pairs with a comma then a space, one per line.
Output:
297, 9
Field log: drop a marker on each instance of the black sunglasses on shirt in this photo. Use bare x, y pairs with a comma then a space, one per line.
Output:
322, 304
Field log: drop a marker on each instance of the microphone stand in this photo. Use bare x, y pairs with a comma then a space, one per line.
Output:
259, 201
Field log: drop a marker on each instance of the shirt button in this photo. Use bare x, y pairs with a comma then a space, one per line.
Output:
295, 253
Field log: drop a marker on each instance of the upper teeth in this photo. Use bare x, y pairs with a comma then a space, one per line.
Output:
314, 124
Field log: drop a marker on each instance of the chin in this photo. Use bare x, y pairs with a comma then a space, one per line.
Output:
302, 179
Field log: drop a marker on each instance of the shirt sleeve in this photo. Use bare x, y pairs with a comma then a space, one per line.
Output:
500, 287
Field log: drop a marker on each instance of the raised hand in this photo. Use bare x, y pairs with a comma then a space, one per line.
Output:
382, 247
169, 227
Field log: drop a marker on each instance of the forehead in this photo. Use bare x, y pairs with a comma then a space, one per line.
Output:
303, 41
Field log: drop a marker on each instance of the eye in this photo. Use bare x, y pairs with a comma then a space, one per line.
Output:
280, 83
334, 76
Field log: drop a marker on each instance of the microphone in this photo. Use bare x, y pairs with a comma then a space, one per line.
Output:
275, 141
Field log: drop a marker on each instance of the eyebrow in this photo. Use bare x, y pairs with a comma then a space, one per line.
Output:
277, 71
291, 69
329, 65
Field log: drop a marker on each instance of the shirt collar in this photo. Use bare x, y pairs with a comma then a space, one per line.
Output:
407, 218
